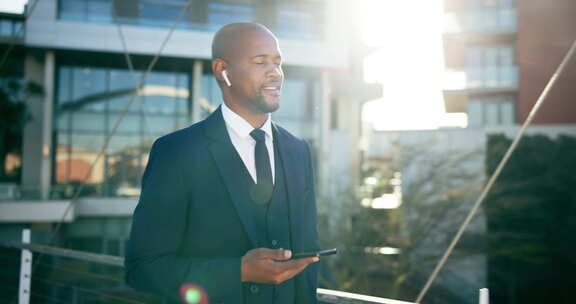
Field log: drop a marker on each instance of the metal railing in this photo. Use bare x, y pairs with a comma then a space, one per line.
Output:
100, 292
34, 273
118, 294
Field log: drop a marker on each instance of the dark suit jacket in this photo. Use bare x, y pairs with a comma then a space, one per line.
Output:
192, 223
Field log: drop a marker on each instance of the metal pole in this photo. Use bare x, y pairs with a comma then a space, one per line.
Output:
484, 296
25, 270
498, 169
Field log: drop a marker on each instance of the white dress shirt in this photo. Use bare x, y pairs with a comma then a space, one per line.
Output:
239, 131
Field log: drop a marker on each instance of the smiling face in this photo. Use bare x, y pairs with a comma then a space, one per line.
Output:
254, 67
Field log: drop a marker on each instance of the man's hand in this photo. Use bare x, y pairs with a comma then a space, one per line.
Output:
263, 265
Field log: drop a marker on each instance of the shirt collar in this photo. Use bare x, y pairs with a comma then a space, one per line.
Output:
240, 126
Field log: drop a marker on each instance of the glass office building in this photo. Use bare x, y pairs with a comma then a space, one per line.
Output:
90, 101
296, 19
75, 50
92, 144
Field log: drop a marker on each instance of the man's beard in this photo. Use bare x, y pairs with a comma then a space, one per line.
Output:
267, 106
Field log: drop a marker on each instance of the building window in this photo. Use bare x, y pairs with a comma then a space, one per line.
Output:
162, 13
297, 112
490, 111
302, 20
294, 100
211, 95
485, 16
300, 95
98, 235
222, 13
89, 102
201, 14
299, 20
491, 67
11, 26
86, 10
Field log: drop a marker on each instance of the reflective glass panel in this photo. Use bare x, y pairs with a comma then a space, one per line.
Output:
90, 103
99, 11
491, 109
506, 113
6, 27
211, 95
475, 113
72, 9
293, 100
88, 121
220, 13
19, 29
155, 13
296, 22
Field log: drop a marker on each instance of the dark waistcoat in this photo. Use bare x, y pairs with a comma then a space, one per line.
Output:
273, 227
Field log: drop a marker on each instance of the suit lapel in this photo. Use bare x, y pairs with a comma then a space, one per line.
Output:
232, 171
288, 152
291, 160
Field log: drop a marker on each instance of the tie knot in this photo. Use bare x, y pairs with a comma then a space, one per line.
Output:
258, 135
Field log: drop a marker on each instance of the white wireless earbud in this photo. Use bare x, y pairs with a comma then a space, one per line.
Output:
225, 76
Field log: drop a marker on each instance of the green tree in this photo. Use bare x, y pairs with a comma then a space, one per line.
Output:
531, 225
437, 191
13, 115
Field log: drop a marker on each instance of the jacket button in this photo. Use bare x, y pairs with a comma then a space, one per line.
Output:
254, 288
274, 242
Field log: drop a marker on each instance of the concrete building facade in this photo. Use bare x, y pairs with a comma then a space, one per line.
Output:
499, 56
480, 59
74, 50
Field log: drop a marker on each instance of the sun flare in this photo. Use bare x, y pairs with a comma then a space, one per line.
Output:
408, 62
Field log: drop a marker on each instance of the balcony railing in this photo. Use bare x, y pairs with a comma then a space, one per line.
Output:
501, 77
71, 276
11, 27
485, 21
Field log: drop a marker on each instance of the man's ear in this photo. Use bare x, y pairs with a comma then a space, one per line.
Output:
219, 65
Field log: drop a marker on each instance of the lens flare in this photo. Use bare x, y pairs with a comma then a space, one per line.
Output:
193, 294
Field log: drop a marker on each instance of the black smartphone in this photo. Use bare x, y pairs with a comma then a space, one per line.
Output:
314, 253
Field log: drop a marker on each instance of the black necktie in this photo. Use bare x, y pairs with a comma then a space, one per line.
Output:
262, 192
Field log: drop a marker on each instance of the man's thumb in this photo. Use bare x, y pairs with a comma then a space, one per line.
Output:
286, 254
278, 254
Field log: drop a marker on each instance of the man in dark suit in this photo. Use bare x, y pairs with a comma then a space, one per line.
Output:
226, 201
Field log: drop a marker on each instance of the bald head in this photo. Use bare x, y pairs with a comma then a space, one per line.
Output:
230, 37
247, 63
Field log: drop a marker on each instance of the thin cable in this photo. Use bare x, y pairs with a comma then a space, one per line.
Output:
118, 121
100, 294
114, 129
128, 59
15, 256
33, 294
20, 31
55, 268
82, 273
122, 40
496, 173
6, 260
48, 280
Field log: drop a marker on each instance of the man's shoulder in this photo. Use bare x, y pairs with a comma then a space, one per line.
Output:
288, 137
190, 135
